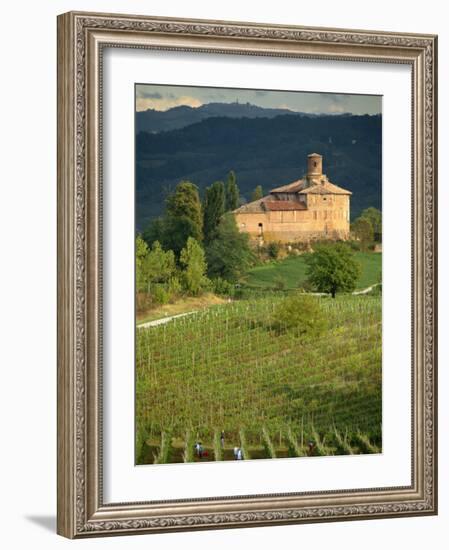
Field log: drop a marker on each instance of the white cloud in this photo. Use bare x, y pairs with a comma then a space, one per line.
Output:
335, 108
165, 103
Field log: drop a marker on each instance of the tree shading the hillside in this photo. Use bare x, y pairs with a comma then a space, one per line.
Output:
214, 208
193, 260
232, 192
183, 218
229, 254
332, 268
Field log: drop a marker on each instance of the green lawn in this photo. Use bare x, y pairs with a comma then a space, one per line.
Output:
292, 271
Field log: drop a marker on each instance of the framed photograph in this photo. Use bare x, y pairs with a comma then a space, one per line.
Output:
246, 274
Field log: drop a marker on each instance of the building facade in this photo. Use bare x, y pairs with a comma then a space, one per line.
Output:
305, 210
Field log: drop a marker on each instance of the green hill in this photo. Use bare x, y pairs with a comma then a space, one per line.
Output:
292, 272
262, 151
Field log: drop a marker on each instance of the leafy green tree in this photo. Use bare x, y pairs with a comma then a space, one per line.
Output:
363, 231
161, 265
178, 231
155, 231
232, 192
332, 268
257, 193
214, 208
375, 217
193, 260
229, 255
183, 218
141, 264
185, 201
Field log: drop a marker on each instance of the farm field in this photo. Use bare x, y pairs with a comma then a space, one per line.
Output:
292, 272
271, 391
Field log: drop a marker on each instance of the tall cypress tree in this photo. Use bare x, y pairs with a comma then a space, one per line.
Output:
257, 193
214, 208
183, 217
232, 192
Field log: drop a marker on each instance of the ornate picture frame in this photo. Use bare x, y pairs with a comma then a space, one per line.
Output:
82, 38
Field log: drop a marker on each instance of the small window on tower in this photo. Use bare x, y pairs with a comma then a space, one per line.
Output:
315, 163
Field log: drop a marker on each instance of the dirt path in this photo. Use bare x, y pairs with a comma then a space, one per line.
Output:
365, 290
164, 320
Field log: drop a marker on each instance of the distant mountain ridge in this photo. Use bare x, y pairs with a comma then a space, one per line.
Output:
262, 151
153, 121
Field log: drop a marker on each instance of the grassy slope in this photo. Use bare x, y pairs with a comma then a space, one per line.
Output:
292, 270
183, 305
225, 368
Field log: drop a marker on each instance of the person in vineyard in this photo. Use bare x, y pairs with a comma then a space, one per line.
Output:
198, 449
236, 452
239, 454
222, 437
311, 448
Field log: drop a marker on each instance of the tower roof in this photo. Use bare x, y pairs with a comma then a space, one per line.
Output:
293, 187
270, 203
324, 188
318, 186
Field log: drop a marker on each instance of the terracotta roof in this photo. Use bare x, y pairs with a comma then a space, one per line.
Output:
284, 205
293, 187
317, 186
325, 188
269, 203
254, 206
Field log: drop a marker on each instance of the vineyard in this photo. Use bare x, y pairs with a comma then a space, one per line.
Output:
274, 393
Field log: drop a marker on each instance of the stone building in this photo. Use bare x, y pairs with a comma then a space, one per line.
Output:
308, 209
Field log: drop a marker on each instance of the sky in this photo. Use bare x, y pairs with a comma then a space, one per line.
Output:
162, 98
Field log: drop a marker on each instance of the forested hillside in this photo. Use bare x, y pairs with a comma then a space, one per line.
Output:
262, 151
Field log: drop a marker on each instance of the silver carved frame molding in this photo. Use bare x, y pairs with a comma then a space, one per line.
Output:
81, 39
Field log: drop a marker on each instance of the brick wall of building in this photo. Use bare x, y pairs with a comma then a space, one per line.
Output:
326, 217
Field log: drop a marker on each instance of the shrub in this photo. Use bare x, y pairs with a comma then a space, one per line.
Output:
222, 287
354, 245
159, 294
174, 287
300, 312
273, 250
